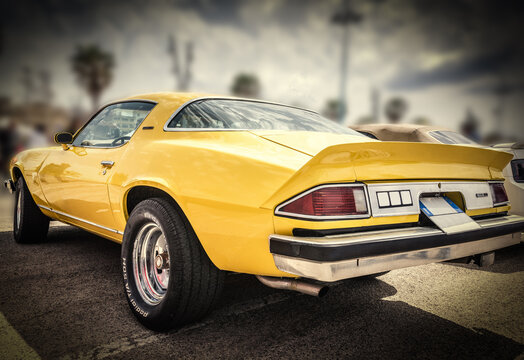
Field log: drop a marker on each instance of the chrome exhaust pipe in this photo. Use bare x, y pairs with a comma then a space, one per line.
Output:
295, 285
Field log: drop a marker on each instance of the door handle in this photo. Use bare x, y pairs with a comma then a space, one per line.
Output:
107, 163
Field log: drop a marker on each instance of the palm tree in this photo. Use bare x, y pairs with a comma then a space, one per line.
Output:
93, 68
246, 85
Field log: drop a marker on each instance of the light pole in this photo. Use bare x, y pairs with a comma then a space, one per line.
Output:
181, 71
344, 17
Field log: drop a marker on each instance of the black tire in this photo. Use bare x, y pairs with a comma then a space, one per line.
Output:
194, 283
30, 225
372, 276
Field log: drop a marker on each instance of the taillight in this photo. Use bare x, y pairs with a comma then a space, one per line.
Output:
517, 167
498, 193
327, 202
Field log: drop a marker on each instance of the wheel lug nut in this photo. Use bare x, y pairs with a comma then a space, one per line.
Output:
162, 261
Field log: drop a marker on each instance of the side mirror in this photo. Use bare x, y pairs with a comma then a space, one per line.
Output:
64, 138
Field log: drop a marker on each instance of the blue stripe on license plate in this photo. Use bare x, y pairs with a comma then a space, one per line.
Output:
453, 205
425, 210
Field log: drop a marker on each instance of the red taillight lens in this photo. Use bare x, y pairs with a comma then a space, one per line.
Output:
517, 167
498, 193
333, 201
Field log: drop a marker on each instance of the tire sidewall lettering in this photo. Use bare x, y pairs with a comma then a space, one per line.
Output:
128, 291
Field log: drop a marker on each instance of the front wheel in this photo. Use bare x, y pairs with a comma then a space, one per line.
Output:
30, 225
168, 278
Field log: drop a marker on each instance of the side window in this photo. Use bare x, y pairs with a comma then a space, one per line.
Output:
114, 125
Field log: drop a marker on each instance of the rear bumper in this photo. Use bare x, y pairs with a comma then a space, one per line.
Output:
333, 258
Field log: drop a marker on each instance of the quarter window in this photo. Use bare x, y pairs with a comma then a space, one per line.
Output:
114, 125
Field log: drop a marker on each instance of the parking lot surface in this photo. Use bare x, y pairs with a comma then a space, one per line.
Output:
63, 299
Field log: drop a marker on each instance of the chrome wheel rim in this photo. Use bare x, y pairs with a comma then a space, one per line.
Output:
151, 263
18, 209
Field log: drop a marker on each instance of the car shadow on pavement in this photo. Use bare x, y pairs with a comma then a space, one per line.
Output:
507, 261
65, 298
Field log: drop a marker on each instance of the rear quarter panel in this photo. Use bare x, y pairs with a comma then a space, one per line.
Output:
220, 180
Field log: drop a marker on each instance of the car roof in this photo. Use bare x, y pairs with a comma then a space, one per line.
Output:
166, 96
180, 98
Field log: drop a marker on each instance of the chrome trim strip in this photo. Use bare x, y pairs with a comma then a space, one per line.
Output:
181, 107
313, 217
340, 270
79, 219
45, 208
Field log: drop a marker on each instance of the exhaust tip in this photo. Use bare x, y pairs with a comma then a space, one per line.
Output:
295, 285
323, 291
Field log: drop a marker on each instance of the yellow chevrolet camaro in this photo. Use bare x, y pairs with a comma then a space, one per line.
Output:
193, 186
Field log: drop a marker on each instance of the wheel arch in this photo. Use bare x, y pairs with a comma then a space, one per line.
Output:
16, 173
140, 192
143, 191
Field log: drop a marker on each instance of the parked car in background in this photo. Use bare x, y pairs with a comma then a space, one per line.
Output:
193, 186
513, 172
514, 176
413, 133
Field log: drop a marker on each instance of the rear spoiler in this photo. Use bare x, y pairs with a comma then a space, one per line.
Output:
386, 161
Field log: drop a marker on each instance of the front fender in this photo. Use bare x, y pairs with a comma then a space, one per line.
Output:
28, 164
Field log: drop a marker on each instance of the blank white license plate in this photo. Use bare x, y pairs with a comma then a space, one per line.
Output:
446, 215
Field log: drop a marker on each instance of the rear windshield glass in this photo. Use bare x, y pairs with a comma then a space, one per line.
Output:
250, 115
450, 137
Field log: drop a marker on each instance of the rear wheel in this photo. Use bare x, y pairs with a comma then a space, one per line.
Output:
30, 225
168, 278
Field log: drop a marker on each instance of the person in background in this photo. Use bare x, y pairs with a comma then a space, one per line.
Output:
38, 138
8, 140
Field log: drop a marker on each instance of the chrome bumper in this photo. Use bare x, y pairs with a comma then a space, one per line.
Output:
333, 258
10, 186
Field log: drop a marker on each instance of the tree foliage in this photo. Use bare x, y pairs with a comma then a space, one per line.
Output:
94, 70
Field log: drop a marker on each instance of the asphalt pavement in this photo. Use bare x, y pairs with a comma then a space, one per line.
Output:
63, 299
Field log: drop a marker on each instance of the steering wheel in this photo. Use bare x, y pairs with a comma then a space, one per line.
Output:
121, 140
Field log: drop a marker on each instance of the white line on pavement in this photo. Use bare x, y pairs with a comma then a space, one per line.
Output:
12, 346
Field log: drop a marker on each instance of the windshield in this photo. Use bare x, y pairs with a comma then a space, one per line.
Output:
450, 137
224, 114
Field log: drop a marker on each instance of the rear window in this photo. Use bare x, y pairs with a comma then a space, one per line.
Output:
225, 114
450, 137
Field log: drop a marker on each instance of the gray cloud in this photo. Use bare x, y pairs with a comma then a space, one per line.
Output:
457, 71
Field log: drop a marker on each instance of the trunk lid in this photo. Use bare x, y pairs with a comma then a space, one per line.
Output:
307, 142
394, 161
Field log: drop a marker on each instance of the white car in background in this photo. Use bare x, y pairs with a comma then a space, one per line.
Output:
513, 173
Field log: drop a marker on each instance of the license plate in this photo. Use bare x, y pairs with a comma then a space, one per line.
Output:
446, 215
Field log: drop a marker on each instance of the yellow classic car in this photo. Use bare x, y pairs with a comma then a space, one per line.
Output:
194, 186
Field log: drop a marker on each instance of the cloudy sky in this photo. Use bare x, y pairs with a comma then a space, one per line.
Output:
443, 57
